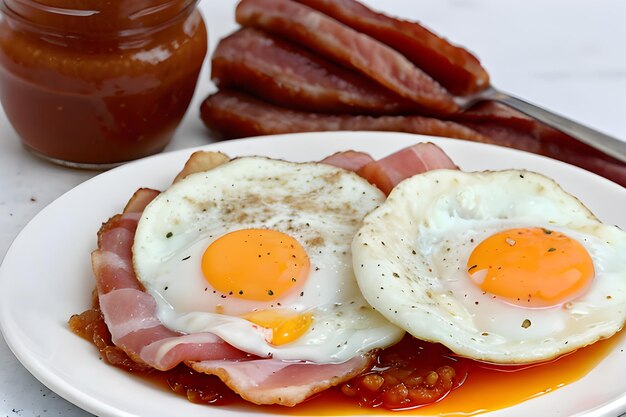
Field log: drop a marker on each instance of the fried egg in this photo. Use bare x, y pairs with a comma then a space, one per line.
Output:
504, 267
257, 251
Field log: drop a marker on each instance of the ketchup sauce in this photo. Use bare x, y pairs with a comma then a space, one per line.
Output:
442, 383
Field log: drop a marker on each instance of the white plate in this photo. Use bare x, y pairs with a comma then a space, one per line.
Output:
46, 275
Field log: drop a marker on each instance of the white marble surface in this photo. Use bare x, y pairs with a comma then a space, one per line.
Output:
568, 55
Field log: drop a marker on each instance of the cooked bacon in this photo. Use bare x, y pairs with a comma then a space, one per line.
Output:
288, 75
507, 127
130, 315
557, 147
454, 67
387, 172
348, 47
350, 160
115, 271
236, 115
267, 381
140, 199
490, 113
200, 161
128, 310
166, 352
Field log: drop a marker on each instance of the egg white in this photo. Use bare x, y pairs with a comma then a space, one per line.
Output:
319, 205
410, 259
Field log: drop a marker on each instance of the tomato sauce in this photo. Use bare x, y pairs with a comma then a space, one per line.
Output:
91, 83
442, 383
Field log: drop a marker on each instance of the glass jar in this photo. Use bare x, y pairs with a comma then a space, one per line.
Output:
93, 83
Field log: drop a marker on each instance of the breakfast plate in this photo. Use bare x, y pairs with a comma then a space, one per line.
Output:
46, 276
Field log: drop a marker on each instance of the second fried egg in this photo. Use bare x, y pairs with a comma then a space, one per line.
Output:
503, 267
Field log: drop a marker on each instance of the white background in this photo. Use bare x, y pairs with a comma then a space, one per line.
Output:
567, 55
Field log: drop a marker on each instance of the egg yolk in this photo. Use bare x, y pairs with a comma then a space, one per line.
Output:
531, 267
286, 326
255, 264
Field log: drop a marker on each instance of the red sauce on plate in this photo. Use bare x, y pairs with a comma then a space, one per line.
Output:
98, 82
475, 387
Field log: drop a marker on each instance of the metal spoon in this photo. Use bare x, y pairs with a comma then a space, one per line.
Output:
598, 140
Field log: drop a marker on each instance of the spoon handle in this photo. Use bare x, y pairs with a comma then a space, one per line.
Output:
603, 142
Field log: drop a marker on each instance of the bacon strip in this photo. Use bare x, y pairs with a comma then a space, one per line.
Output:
350, 160
490, 113
131, 317
454, 67
557, 147
287, 75
348, 47
130, 313
387, 172
129, 310
117, 273
140, 199
507, 127
289, 382
236, 115
200, 161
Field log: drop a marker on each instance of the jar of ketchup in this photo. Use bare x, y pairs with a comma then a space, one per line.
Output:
94, 83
